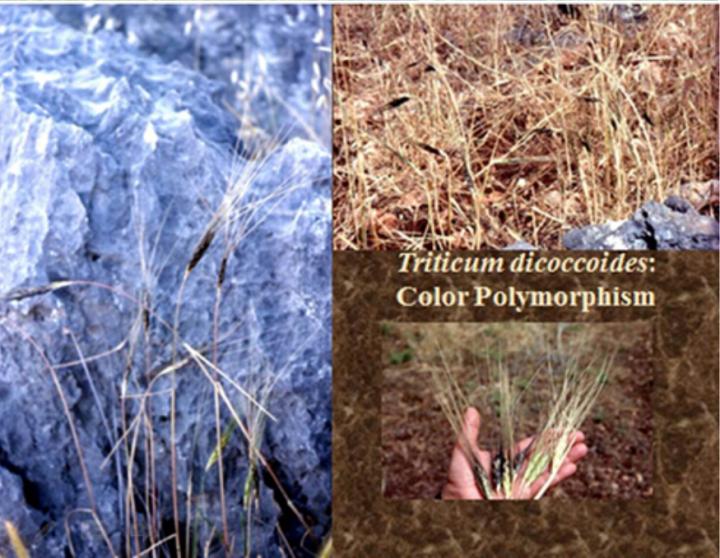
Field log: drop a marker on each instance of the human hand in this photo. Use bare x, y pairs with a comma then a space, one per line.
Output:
461, 484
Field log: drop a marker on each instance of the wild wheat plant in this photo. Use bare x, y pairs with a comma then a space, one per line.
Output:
559, 379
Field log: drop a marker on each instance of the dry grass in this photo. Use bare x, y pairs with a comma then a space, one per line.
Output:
15, 541
477, 126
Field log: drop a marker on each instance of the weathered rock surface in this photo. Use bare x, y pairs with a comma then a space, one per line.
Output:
111, 165
280, 52
672, 225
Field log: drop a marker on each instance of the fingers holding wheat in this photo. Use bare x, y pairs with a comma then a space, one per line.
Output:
464, 482
543, 383
465, 454
569, 466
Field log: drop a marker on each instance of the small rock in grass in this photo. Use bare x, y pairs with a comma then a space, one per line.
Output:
673, 225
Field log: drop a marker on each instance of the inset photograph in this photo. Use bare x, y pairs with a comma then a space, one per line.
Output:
511, 410
525, 126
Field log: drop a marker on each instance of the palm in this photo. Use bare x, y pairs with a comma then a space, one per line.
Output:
461, 480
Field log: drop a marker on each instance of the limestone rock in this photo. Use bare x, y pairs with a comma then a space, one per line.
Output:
113, 163
673, 225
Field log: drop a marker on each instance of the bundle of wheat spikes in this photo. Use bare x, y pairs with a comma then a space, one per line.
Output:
575, 380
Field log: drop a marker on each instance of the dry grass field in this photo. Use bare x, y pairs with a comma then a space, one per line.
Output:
478, 126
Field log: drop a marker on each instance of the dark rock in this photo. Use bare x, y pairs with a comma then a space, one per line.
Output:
627, 14
676, 203
14, 508
534, 31
112, 163
674, 225
524, 32
569, 10
622, 13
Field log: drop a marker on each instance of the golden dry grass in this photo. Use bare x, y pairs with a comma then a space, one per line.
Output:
450, 132
16, 541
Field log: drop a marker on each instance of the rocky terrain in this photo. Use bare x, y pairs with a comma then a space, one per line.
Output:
272, 60
116, 150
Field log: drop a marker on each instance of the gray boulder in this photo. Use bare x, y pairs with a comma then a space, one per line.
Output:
112, 166
14, 508
280, 52
672, 225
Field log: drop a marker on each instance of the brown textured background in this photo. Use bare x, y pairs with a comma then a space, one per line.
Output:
680, 519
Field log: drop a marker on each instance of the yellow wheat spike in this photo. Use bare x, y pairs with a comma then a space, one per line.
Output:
16, 541
326, 551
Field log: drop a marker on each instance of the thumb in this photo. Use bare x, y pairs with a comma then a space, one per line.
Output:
471, 425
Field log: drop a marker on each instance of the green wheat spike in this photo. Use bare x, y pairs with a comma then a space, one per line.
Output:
224, 440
